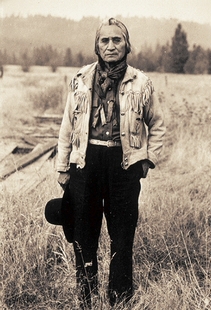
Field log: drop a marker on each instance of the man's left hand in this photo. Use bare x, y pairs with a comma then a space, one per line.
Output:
145, 167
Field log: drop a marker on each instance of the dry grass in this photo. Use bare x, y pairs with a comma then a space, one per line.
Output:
172, 244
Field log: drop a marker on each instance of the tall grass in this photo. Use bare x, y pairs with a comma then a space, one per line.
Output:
172, 248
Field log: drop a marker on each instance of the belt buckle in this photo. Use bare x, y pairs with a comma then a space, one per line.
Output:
110, 143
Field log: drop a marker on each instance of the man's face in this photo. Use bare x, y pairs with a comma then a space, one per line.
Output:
112, 46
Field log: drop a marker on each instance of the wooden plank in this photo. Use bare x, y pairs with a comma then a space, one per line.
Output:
34, 178
45, 136
49, 118
6, 149
30, 140
27, 159
28, 178
37, 178
23, 149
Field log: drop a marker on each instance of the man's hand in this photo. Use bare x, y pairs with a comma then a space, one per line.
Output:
145, 167
63, 179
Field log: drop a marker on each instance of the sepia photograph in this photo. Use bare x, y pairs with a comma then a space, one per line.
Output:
105, 155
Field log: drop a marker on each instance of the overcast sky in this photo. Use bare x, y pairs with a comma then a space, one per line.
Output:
190, 10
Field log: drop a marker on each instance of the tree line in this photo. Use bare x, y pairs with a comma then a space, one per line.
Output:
45, 56
175, 57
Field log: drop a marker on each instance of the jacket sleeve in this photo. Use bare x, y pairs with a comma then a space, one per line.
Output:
64, 142
153, 117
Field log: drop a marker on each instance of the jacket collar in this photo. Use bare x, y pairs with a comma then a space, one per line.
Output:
87, 74
130, 74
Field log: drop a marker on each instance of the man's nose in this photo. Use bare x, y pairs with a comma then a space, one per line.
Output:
111, 45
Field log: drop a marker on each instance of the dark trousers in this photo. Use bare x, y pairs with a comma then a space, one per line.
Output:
103, 186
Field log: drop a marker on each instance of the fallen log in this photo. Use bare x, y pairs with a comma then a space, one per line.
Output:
27, 159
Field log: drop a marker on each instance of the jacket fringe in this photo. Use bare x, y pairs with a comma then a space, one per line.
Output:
73, 84
147, 92
81, 106
81, 102
135, 141
75, 140
137, 100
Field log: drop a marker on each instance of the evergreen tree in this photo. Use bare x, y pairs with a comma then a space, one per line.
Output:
52, 58
68, 59
132, 59
25, 61
4, 58
79, 60
36, 57
144, 61
209, 61
40, 56
14, 59
197, 62
164, 60
201, 66
179, 50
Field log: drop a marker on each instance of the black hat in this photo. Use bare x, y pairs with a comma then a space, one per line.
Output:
59, 211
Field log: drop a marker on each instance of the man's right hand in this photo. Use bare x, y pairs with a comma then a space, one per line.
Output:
63, 179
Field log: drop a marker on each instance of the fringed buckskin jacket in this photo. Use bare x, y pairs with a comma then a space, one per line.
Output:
141, 120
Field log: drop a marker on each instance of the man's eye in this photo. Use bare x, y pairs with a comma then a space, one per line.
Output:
116, 40
104, 40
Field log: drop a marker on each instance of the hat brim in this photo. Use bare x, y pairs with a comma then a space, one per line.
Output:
59, 211
53, 210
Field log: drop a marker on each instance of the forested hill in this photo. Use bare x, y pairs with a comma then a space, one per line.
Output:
18, 33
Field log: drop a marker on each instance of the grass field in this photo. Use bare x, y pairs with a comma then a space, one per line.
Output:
172, 250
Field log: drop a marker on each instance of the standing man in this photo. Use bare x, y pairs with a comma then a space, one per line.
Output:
104, 150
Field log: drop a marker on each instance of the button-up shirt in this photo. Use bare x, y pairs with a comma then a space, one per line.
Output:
105, 114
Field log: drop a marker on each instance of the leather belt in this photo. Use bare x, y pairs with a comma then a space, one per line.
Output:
108, 143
